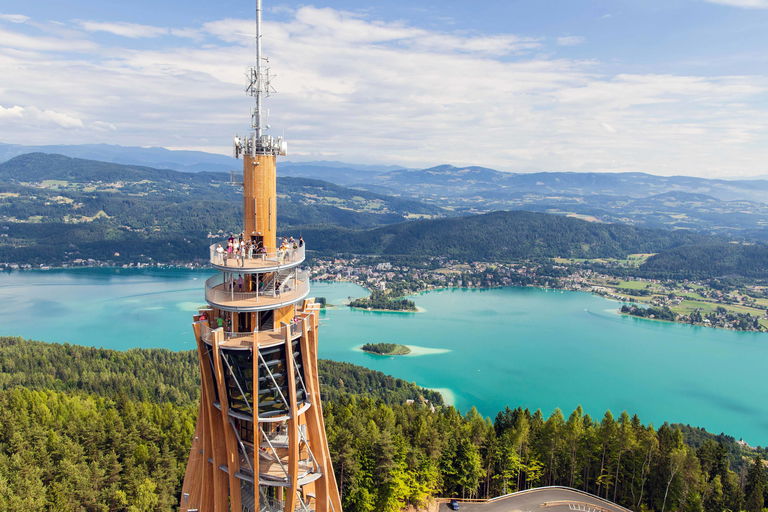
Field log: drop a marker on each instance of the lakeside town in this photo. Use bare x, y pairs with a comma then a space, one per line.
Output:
743, 308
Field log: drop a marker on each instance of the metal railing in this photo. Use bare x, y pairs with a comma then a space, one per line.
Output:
295, 327
221, 289
254, 259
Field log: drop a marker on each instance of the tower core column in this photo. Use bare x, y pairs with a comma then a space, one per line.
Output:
260, 199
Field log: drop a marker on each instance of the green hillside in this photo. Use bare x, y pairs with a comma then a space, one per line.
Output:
502, 236
710, 260
55, 209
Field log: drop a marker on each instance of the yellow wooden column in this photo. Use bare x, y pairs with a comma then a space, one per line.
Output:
260, 198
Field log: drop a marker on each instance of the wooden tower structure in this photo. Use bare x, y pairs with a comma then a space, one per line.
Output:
260, 440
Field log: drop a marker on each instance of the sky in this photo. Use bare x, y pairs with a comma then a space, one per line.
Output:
661, 86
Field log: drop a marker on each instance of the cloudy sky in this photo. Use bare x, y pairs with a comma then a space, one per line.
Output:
661, 86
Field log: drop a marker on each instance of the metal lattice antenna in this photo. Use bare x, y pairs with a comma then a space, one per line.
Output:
259, 86
258, 80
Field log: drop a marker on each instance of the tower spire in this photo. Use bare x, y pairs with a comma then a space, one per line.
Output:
259, 82
259, 85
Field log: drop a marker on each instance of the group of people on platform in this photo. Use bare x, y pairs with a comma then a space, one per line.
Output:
239, 249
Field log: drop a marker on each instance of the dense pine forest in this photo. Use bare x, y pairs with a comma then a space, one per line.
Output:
86, 429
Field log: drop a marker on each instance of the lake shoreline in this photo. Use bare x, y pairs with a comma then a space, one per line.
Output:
520, 346
203, 267
376, 310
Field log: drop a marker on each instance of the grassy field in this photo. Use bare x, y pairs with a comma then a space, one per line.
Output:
637, 285
632, 260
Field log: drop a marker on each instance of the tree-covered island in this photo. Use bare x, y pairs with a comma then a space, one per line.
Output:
383, 301
386, 349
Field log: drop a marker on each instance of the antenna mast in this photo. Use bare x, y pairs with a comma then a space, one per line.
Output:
259, 86
256, 73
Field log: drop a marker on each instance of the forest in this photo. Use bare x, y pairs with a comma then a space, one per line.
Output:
702, 261
502, 236
101, 430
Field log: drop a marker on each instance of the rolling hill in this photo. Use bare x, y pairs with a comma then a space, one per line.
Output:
736, 208
502, 236
519, 235
55, 208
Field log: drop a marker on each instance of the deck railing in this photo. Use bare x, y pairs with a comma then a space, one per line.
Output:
255, 259
222, 288
295, 327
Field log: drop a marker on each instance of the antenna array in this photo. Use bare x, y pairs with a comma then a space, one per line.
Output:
259, 86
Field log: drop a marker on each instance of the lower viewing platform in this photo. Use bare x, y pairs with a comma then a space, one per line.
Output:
226, 292
244, 340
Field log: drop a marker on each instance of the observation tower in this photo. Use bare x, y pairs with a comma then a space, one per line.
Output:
260, 440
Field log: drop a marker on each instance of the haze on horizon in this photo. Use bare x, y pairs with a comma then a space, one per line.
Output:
661, 86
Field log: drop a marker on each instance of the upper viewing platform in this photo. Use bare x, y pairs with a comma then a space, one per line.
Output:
226, 255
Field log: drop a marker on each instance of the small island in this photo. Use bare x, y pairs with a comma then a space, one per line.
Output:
386, 349
381, 301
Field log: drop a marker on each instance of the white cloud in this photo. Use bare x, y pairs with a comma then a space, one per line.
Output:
20, 41
14, 18
570, 40
40, 116
123, 29
356, 89
747, 4
14, 112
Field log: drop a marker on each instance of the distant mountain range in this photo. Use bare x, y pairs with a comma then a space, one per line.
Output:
159, 158
735, 208
55, 208
492, 185
195, 161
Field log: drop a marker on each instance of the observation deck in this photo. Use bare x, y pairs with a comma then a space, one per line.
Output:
270, 261
226, 294
264, 338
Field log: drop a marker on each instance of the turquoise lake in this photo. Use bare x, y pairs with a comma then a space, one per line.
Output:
488, 348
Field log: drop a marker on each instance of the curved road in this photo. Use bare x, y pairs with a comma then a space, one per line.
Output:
545, 499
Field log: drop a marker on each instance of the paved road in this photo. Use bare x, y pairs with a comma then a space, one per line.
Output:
542, 500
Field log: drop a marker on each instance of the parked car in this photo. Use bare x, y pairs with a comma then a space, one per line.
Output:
453, 505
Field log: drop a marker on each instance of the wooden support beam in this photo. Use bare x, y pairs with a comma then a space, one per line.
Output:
232, 450
256, 426
333, 489
315, 433
293, 424
205, 486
